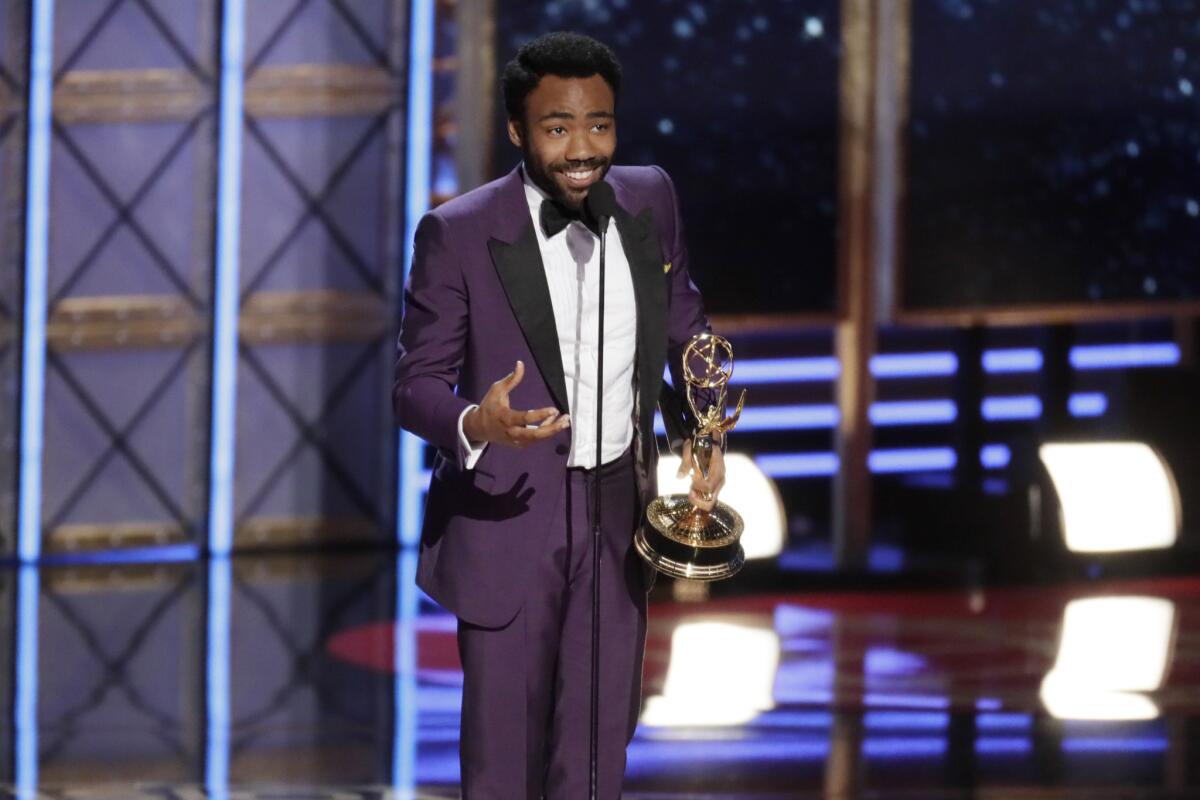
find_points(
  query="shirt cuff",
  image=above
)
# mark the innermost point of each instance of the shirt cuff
(468, 454)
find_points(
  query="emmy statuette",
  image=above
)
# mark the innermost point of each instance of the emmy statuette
(681, 540)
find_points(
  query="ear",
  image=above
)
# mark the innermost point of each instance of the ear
(515, 132)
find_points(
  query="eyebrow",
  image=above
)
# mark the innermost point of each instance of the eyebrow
(568, 115)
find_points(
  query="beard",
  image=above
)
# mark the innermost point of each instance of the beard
(543, 176)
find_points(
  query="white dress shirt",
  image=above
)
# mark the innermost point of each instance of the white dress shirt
(572, 263)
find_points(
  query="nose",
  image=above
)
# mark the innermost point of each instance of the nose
(579, 148)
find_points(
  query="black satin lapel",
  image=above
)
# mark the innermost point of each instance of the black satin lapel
(524, 278)
(639, 237)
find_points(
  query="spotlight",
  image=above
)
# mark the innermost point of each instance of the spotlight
(747, 657)
(1111, 650)
(1113, 496)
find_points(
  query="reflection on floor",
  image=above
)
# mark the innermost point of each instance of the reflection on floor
(287, 677)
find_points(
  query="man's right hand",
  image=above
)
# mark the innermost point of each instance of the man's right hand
(496, 421)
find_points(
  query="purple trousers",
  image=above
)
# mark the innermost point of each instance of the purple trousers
(527, 686)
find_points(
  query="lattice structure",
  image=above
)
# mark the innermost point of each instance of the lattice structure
(321, 219)
(295, 703)
(127, 656)
(130, 266)
(13, 66)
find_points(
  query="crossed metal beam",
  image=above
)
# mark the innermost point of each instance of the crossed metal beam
(309, 435)
(119, 438)
(114, 673)
(125, 213)
(303, 655)
(378, 54)
(313, 207)
(156, 20)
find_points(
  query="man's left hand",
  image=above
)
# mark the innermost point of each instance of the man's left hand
(704, 490)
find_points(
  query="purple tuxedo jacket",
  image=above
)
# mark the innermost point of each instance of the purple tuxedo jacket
(475, 303)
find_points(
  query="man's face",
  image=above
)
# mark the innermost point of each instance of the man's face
(568, 135)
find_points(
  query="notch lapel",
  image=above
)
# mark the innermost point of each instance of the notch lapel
(523, 276)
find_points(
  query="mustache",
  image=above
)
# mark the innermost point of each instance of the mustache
(569, 166)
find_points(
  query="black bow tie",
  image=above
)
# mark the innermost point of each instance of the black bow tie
(555, 216)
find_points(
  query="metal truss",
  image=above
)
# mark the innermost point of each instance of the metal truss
(306, 650)
(12, 200)
(114, 656)
(311, 433)
(182, 522)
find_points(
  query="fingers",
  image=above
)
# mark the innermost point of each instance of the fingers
(511, 418)
(513, 378)
(703, 501)
(685, 461)
(522, 436)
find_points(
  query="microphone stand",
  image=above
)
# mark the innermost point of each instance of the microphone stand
(594, 756)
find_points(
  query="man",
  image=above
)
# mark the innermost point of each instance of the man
(497, 369)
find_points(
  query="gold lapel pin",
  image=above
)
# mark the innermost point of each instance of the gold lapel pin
(666, 267)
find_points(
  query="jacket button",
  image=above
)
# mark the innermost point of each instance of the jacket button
(562, 449)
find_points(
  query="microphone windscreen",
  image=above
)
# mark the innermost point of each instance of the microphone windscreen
(601, 201)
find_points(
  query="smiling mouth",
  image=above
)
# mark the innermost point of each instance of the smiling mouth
(580, 178)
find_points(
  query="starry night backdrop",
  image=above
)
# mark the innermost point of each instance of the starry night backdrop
(1053, 152)
(738, 101)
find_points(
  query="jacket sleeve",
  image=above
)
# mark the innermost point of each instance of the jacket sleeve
(433, 338)
(685, 319)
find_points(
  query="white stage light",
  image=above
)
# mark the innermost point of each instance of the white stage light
(1115, 496)
(749, 491)
(719, 674)
(1110, 650)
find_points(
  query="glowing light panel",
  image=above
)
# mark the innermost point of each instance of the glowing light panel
(700, 650)
(1110, 651)
(1115, 496)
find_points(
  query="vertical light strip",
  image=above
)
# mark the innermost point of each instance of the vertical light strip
(419, 143)
(216, 678)
(33, 337)
(404, 676)
(225, 288)
(25, 733)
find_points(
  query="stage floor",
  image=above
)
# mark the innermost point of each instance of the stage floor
(290, 677)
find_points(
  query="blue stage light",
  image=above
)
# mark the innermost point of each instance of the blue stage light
(1117, 356)
(226, 280)
(1016, 407)
(1088, 404)
(785, 370)
(1003, 721)
(1114, 745)
(404, 676)
(912, 460)
(1002, 745)
(913, 365)
(913, 412)
(903, 747)
(418, 166)
(797, 465)
(906, 720)
(217, 676)
(33, 335)
(1015, 359)
(995, 456)
(25, 679)
(162, 554)
(797, 417)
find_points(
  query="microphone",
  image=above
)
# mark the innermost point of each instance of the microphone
(601, 204)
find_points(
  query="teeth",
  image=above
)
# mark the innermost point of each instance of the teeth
(579, 176)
